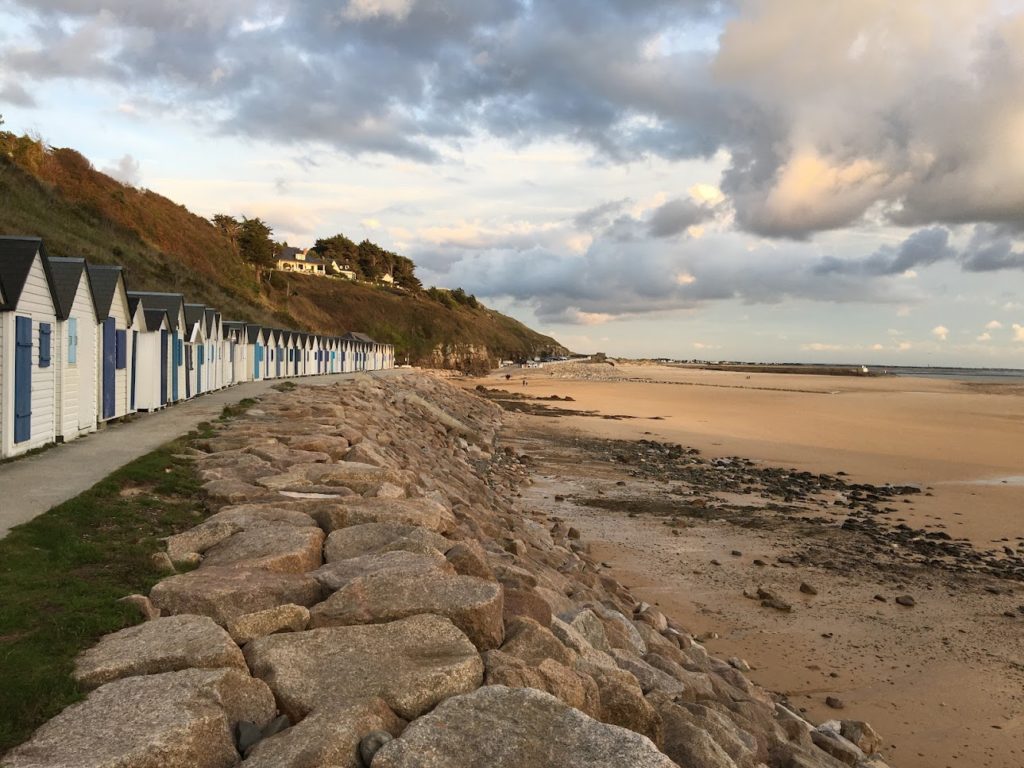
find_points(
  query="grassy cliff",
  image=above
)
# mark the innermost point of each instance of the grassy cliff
(57, 195)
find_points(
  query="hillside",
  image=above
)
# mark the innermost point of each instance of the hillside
(56, 194)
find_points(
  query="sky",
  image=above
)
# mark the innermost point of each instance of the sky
(775, 180)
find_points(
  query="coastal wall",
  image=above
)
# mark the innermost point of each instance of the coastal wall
(366, 595)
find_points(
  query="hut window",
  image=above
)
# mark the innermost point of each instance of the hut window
(44, 345)
(72, 340)
(121, 350)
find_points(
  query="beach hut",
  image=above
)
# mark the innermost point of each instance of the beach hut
(74, 349)
(28, 376)
(154, 361)
(236, 340)
(173, 304)
(113, 342)
(136, 328)
(256, 350)
(214, 356)
(195, 348)
(275, 352)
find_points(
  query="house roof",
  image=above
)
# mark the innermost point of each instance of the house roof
(171, 303)
(67, 275)
(133, 304)
(289, 254)
(211, 320)
(194, 314)
(253, 333)
(16, 255)
(155, 317)
(104, 280)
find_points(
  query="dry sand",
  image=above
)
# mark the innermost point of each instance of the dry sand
(943, 681)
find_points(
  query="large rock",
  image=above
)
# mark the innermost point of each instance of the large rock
(161, 645)
(226, 593)
(326, 738)
(533, 643)
(424, 513)
(237, 492)
(347, 474)
(650, 678)
(334, 446)
(567, 685)
(368, 538)
(412, 664)
(469, 559)
(247, 516)
(283, 618)
(281, 548)
(500, 727)
(473, 605)
(622, 700)
(172, 720)
(200, 538)
(397, 564)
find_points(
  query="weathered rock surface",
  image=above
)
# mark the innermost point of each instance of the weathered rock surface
(283, 618)
(326, 738)
(473, 605)
(247, 516)
(398, 564)
(200, 538)
(411, 664)
(370, 538)
(348, 474)
(227, 593)
(283, 548)
(162, 645)
(423, 513)
(172, 720)
(500, 727)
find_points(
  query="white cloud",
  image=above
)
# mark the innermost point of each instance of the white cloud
(993, 325)
(940, 332)
(904, 311)
(125, 170)
(985, 337)
(903, 346)
(1018, 332)
(369, 9)
(817, 346)
(700, 345)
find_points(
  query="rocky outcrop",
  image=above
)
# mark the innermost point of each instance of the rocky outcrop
(173, 720)
(370, 593)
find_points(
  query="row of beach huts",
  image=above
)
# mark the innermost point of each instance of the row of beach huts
(78, 349)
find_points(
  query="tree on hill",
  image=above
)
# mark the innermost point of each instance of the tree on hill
(229, 226)
(255, 244)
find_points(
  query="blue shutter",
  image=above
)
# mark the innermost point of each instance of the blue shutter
(120, 349)
(22, 379)
(72, 340)
(179, 352)
(45, 330)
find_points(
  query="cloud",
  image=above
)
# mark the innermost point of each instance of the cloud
(993, 248)
(993, 325)
(676, 216)
(125, 170)
(922, 248)
(14, 94)
(820, 347)
(940, 332)
(821, 131)
(985, 337)
(1018, 332)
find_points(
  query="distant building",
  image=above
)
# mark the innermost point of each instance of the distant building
(298, 260)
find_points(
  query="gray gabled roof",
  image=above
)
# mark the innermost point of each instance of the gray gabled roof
(133, 304)
(360, 337)
(104, 280)
(211, 320)
(253, 334)
(171, 303)
(16, 255)
(67, 276)
(154, 318)
(194, 313)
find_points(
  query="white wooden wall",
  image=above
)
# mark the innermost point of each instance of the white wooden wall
(76, 382)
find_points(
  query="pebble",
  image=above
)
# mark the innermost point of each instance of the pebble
(906, 601)
(834, 703)
(807, 589)
(371, 744)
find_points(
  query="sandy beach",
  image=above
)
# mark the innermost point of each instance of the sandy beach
(941, 680)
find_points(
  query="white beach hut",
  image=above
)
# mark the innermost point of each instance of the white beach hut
(195, 348)
(28, 376)
(173, 304)
(74, 349)
(154, 361)
(236, 340)
(113, 344)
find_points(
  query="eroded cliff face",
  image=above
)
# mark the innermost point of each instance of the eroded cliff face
(395, 608)
(479, 358)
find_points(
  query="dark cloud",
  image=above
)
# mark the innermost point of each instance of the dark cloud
(599, 215)
(13, 93)
(676, 216)
(994, 248)
(924, 247)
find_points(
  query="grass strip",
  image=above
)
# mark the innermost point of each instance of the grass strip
(62, 573)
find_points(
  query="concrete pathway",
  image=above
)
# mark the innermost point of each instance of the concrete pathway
(35, 484)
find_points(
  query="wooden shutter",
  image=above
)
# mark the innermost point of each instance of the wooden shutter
(45, 332)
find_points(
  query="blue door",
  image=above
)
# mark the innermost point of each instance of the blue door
(135, 351)
(177, 364)
(22, 379)
(257, 350)
(163, 367)
(109, 362)
(280, 354)
(200, 354)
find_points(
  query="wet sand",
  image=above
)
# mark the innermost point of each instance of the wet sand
(942, 681)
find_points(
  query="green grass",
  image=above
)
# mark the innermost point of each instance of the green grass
(232, 411)
(285, 386)
(62, 573)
